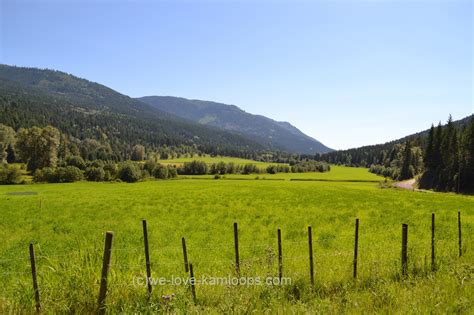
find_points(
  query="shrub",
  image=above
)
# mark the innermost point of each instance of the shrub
(310, 166)
(272, 169)
(10, 175)
(145, 173)
(160, 172)
(129, 172)
(150, 165)
(66, 174)
(95, 174)
(96, 163)
(250, 168)
(47, 175)
(195, 168)
(214, 168)
(111, 168)
(69, 174)
(172, 172)
(76, 161)
(231, 168)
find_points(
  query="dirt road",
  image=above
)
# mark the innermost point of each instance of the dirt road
(406, 184)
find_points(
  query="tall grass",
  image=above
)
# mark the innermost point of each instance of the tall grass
(68, 232)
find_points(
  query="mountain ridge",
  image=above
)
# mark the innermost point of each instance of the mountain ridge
(31, 96)
(279, 135)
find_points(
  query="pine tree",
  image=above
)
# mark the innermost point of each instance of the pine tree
(447, 143)
(467, 161)
(438, 138)
(405, 172)
(453, 166)
(428, 158)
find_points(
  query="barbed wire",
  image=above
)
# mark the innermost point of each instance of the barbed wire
(198, 257)
(371, 264)
(42, 253)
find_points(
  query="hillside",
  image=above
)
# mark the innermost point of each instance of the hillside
(269, 133)
(375, 154)
(84, 109)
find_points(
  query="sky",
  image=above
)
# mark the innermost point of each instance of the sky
(348, 73)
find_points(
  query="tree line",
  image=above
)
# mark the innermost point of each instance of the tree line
(442, 158)
(404, 161)
(221, 168)
(449, 158)
(54, 157)
(75, 169)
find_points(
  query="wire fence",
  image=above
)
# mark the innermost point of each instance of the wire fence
(289, 257)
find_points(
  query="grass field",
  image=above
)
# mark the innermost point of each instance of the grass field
(337, 173)
(67, 222)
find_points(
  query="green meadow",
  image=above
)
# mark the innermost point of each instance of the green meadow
(67, 224)
(337, 173)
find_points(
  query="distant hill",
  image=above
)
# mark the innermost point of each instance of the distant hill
(84, 109)
(375, 154)
(269, 133)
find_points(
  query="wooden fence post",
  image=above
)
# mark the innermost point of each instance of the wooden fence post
(280, 257)
(185, 255)
(35, 281)
(147, 258)
(236, 245)
(193, 282)
(404, 249)
(433, 253)
(311, 265)
(356, 246)
(105, 271)
(459, 233)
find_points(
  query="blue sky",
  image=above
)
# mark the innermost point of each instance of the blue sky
(348, 73)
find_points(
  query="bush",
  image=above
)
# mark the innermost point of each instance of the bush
(172, 172)
(231, 168)
(272, 169)
(76, 161)
(194, 168)
(129, 172)
(95, 174)
(150, 165)
(218, 168)
(310, 166)
(46, 175)
(10, 175)
(250, 168)
(96, 163)
(160, 172)
(69, 174)
(111, 169)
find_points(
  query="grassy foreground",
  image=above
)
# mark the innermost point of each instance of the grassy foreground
(67, 222)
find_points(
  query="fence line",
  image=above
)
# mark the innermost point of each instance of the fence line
(96, 251)
(195, 255)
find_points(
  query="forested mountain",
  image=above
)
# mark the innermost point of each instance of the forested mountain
(442, 156)
(270, 133)
(83, 110)
(376, 154)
